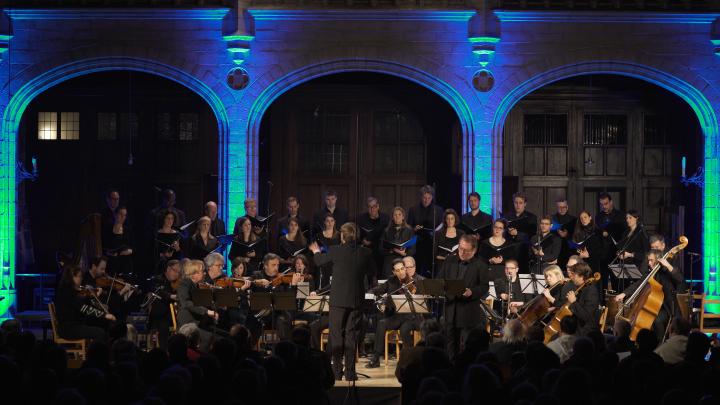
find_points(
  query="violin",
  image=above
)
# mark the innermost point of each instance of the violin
(86, 291)
(114, 283)
(227, 282)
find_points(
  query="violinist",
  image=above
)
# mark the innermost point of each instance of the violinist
(585, 304)
(509, 290)
(202, 242)
(214, 263)
(96, 277)
(497, 248)
(165, 286)
(77, 311)
(264, 283)
(292, 243)
(544, 247)
(390, 319)
(188, 312)
(670, 276)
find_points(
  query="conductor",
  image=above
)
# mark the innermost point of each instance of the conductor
(351, 263)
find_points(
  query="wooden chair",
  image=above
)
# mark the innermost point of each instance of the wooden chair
(75, 347)
(173, 317)
(324, 338)
(393, 336)
(603, 318)
(714, 327)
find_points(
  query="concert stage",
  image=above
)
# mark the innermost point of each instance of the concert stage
(381, 388)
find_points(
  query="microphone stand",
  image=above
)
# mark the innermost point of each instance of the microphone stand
(434, 233)
(267, 223)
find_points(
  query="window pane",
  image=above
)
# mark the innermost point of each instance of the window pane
(128, 124)
(410, 129)
(656, 130)
(336, 158)
(47, 125)
(384, 159)
(411, 158)
(386, 127)
(164, 127)
(70, 125)
(107, 126)
(545, 129)
(188, 127)
(601, 129)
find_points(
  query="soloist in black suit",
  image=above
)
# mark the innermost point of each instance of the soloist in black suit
(463, 313)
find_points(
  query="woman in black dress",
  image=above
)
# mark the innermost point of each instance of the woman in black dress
(77, 315)
(202, 242)
(292, 243)
(447, 237)
(247, 245)
(397, 232)
(586, 241)
(496, 249)
(167, 241)
(328, 237)
(117, 244)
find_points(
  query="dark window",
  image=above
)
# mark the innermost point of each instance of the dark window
(545, 129)
(398, 143)
(605, 129)
(656, 130)
(324, 140)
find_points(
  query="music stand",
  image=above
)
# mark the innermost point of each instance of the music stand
(491, 291)
(414, 304)
(532, 283)
(226, 297)
(320, 303)
(303, 290)
(203, 298)
(625, 272)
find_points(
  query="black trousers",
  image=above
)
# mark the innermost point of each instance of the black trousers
(316, 328)
(81, 331)
(404, 322)
(345, 326)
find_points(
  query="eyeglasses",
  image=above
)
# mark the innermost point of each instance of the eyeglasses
(410, 267)
(510, 268)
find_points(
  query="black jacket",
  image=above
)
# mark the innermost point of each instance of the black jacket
(551, 245)
(670, 280)
(464, 312)
(351, 263)
(585, 309)
(481, 221)
(187, 311)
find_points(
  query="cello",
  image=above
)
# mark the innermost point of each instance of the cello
(553, 327)
(537, 308)
(643, 306)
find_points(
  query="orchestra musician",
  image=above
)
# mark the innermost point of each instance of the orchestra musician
(202, 242)
(339, 214)
(555, 281)
(114, 299)
(424, 218)
(522, 225)
(399, 284)
(264, 283)
(117, 244)
(214, 263)
(461, 312)
(292, 242)
(544, 247)
(670, 276)
(159, 317)
(447, 238)
(188, 312)
(293, 211)
(496, 249)
(351, 263)
(398, 232)
(77, 312)
(585, 304)
(476, 221)
(509, 291)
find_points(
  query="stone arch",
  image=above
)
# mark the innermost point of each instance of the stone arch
(682, 84)
(37, 84)
(257, 104)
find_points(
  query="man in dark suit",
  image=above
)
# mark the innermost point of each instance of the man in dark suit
(351, 263)
(584, 305)
(462, 313)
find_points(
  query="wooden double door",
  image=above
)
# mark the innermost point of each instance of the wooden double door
(356, 140)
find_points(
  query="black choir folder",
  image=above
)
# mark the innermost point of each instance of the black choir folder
(475, 231)
(408, 243)
(261, 222)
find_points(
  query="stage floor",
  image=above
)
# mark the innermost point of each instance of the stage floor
(382, 376)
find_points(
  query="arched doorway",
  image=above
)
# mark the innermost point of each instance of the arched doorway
(133, 131)
(586, 134)
(361, 134)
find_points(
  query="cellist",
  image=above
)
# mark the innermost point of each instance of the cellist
(670, 276)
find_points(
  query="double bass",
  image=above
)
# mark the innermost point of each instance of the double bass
(643, 306)
(553, 327)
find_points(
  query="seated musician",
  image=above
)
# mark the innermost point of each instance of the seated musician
(555, 282)
(214, 263)
(264, 283)
(292, 243)
(390, 319)
(585, 304)
(202, 242)
(508, 289)
(670, 276)
(76, 311)
(159, 315)
(188, 312)
(115, 299)
(544, 247)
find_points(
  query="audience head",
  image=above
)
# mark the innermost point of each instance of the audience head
(698, 346)
(568, 325)
(192, 332)
(680, 326)
(513, 332)
(622, 328)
